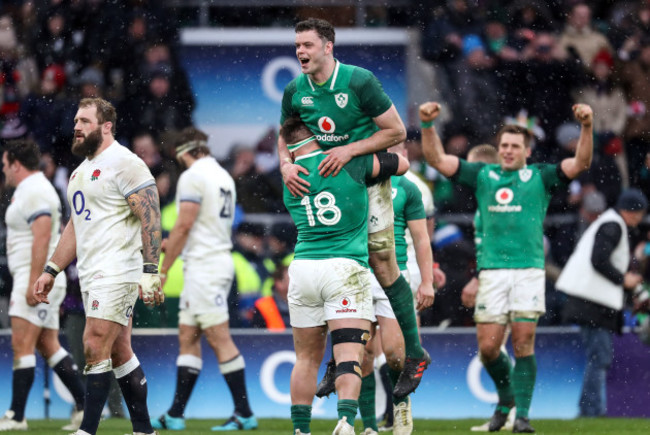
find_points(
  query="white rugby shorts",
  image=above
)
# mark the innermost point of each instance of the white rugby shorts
(204, 299)
(380, 207)
(113, 302)
(503, 293)
(41, 315)
(322, 290)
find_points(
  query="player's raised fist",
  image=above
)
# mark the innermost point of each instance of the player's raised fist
(583, 113)
(429, 111)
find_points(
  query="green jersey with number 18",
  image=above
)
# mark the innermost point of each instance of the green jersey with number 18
(512, 206)
(339, 111)
(332, 220)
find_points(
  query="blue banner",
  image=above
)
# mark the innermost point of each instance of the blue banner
(454, 386)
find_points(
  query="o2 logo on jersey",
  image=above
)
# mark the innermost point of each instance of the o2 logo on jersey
(326, 124)
(79, 205)
(504, 196)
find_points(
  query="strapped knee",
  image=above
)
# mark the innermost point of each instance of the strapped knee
(348, 368)
(350, 335)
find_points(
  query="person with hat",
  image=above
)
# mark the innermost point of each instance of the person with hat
(594, 279)
(205, 196)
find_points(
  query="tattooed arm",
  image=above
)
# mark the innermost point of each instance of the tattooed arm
(146, 206)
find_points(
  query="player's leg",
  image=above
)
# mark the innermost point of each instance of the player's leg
(392, 343)
(491, 316)
(23, 340)
(368, 384)
(99, 336)
(188, 368)
(349, 337)
(527, 305)
(65, 368)
(232, 365)
(381, 250)
(309, 345)
(132, 381)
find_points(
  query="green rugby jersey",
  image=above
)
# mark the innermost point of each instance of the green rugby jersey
(332, 220)
(512, 207)
(339, 111)
(407, 205)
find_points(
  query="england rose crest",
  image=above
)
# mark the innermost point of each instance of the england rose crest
(95, 175)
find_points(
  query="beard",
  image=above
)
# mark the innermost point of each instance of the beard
(89, 145)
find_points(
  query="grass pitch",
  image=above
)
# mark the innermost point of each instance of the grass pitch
(610, 426)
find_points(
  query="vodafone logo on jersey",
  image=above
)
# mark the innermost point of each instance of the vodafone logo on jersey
(326, 124)
(504, 195)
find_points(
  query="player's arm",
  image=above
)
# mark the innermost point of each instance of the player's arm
(41, 234)
(145, 205)
(432, 147)
(573, 166)
(391, 132)
(424, 258)
(385, 165)
(65, 252)
(297, 185)
(187, 213)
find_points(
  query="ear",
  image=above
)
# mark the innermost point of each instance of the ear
(329, 47)
(529, 151)
(107, 127)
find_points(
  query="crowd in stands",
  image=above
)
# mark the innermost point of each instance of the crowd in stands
(519, 60)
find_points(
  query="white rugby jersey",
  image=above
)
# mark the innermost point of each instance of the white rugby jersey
(34, 197)
(109, 237)
(429, 209)
(208, 184)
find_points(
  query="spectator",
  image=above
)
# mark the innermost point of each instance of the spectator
(610, 110)
(636, 84)
(580, 38)
(272, 312)
(594, 279)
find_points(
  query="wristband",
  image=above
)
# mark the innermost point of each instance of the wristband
(149, 268)
(436, 265)
(287, 160)
(426, 124)
(52, 268)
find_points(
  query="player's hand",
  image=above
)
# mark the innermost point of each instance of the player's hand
(163, 246)
(424, 296)
(439, 278)
(631, 280)
(583, 114)
(150, 289)
(429, 111)
(335, 160)
(30, 297)
(468, 296)
(297, 185)
(42, 288)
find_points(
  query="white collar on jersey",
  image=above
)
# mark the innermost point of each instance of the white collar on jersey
(334, 75)
(315, 153)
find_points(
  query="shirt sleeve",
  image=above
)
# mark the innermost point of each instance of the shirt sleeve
(414, 208)
(606, 240)
(467, 173)
(133, 175)
(189, 189)
(372, 98)
(552, 176)
(35, 205)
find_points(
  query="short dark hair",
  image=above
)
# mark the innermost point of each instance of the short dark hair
(24, 151)
(294, 130)
(189, 134)
(515, 129)
(105, 110)
(323, 28)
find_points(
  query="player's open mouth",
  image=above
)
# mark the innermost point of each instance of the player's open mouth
(304, 61)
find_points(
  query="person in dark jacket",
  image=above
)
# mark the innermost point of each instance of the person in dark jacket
(595, 278)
